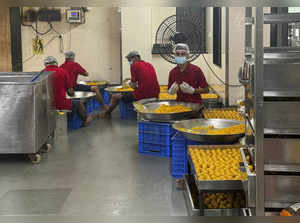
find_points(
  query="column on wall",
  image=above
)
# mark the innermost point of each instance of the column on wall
(5, 50)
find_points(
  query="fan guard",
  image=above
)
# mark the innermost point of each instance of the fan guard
(179, 29)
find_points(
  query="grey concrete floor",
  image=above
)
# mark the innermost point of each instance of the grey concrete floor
(95, 170)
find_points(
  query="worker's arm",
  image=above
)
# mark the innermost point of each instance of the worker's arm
(81, 70)
(68, 84)
(86, 74)
(134, 76)
(203, 85)
(133, 85)
(70, 92)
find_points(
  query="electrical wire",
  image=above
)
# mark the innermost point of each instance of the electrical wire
(70, 40)
(35, 29)
(46, 44)
(223, 82)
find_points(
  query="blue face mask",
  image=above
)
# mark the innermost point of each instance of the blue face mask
(130, 62)
(180, 60)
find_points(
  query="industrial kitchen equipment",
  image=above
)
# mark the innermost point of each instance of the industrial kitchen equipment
(27, 113)
(272, 101)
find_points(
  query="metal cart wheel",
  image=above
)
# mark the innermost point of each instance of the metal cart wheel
(35, 158)
(46, 148)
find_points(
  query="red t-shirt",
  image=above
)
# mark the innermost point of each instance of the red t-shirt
(60, 85)
(193, 76)
(73, 69)
(148, 86)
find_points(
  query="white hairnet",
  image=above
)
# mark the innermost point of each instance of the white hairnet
(182, 47)
(50, 60)
(132, 54)
(69, 55)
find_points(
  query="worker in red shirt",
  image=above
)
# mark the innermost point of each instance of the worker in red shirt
(74, 69)
(143, 80)
(61, 86)
(186, 80)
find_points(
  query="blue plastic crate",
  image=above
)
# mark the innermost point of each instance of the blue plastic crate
(106, 97)
(127, 110)
(89, 107)
(97, 106)
(155, 139)
(156, 128)
(179, 154)
(106, 100)
(178, 157)
(74, 121)
(154, 150)
(178, 171)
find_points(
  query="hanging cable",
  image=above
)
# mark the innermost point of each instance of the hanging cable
(46, 44)
(70, 40)
(223, 82)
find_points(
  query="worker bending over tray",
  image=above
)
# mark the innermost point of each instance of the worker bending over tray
(74, 69)
(186, 80)
(63, 85)
(143, 80)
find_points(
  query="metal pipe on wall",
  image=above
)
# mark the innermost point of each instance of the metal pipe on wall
(258, 105)
(227, 58)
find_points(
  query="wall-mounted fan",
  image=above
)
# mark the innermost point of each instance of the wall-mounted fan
(180, 29)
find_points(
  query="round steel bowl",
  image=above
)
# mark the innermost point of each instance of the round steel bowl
(97, 83)
(82, 95)
(113, 90)
(217, 123)
(146, 111)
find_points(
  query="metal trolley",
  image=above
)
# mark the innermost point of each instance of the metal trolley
(27, 114)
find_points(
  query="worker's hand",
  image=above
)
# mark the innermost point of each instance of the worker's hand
(174, 88)
(126, 83)
(94, 88)
(71, 92)
(186, 88)
(126, 80)
(133, 85)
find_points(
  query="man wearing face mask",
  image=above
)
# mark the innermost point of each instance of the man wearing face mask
(143, 80)
(186, 80)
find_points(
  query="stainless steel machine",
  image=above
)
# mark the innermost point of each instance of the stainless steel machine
(272, 97)
(272, 101)
(27, 113)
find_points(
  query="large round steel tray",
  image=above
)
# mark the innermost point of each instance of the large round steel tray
(146, 111)
(217, 123)
(114, 90)
(93, 83)
(82, 95)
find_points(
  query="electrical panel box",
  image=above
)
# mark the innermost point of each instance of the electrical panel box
(49, 15)
(30, 15)
(75, 16)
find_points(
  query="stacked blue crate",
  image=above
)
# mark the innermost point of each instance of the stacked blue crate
(155, 138)
(74, 121)
(179, 154)
(106, 97)
(127, 110)
(106, 100)
(89, 107)
(179, 164)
